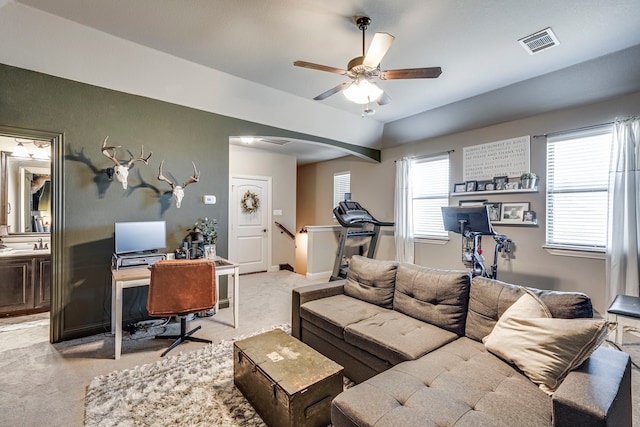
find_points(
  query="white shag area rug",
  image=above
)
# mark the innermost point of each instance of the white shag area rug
(193, 389)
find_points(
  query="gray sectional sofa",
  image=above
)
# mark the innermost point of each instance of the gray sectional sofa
(411, 337)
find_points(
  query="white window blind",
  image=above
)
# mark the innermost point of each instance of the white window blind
(341, 185)
(430, 182)
(577, 188)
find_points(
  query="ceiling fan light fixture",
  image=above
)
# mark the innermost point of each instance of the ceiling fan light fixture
(364, 68)
(362, 92)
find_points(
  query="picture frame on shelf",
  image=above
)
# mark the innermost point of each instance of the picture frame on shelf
(512, 185)
(482, 185)
(490, 186)
(529, 217)
(513, 212)
(471, 186)
(471, 203)
(460, 188)
(501, 182)
(494, 211)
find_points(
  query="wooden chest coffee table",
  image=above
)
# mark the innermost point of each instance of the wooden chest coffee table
(285, 380)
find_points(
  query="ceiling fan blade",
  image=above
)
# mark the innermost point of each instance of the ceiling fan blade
(411, 73)
(378, 49)
(333, 91)
(319, 67)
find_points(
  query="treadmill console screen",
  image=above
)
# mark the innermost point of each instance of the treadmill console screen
(348, 212)
(351, 206)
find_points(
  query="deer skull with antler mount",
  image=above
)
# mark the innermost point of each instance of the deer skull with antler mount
(178, 191)
(122, 171)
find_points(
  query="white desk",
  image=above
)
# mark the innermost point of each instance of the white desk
(133, 277)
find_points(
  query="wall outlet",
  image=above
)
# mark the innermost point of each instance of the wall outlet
(209, 200)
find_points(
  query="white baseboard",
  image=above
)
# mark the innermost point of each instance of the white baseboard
(323, 275)
(273, 268)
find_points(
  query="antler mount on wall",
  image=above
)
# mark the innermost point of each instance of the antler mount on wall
(122, 171)
(177, 190)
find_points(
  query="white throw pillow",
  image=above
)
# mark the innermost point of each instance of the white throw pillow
(544, 348)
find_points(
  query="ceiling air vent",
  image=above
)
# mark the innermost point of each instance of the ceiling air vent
(275, 141)
(539, 41)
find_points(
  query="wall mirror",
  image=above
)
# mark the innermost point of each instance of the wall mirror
(25, 187)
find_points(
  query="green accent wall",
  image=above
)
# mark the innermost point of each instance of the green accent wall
(90, 204)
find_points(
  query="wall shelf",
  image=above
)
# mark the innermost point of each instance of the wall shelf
(514, 224)
(477, 194)
(493, 192)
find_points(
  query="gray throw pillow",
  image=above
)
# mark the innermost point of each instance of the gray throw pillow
(371, 280)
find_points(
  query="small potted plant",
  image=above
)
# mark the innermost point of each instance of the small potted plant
(207, 227)
(528, 180)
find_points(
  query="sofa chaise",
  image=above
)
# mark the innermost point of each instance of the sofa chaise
(434, 347)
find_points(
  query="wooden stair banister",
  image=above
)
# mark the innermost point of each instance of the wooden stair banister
(285, 230)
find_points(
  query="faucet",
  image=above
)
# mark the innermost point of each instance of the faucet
(36, 247)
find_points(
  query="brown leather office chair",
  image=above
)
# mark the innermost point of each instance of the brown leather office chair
(181, 287)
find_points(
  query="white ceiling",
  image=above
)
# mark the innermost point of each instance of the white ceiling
(475, 43)
(305, 151)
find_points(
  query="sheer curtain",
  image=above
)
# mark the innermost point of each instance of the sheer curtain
(403, 233)
(623, 264)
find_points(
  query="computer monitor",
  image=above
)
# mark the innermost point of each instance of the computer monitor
(476, 219)
(139, 236)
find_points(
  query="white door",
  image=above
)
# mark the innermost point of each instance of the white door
(250, 233)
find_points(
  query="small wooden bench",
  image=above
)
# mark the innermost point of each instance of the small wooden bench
(625, 310)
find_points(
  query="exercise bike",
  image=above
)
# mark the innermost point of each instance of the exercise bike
(472, 253)
(472, 223)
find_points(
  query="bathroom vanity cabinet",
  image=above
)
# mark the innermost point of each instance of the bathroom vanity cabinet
(25, 283)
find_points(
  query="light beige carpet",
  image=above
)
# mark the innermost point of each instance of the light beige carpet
(192, 389)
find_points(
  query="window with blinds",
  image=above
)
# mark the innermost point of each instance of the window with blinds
(577, 188)
(341, 185)
(430, 183)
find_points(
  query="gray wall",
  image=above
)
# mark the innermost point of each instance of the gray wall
(85, 114)
(373, 186)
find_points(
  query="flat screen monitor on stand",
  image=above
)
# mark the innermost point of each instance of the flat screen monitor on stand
(467, 219)
(137, 243)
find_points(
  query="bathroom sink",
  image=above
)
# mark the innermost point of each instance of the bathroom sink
(23, 251)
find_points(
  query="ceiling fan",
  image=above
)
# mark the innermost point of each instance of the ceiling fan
(363, 69)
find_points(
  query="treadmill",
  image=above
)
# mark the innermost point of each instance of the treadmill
(356, 221)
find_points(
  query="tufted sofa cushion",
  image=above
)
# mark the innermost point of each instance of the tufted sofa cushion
(435, 296)
(371, 280)
(396, 337)
(334, 313)
(460, 384)
(489, 299)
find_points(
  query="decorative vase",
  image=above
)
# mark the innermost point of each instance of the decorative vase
(210, 251)
(529, 183)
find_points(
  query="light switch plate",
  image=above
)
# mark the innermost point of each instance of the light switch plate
(277, 212)
(209, 200)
